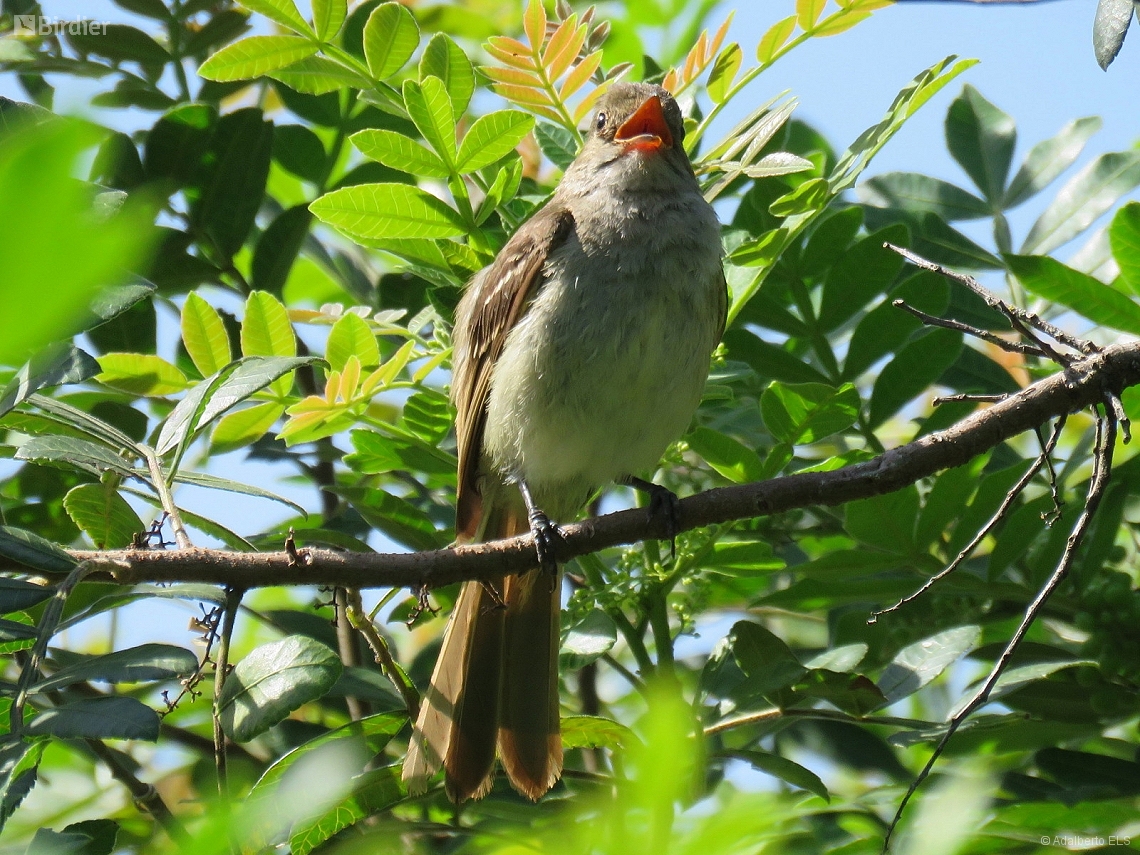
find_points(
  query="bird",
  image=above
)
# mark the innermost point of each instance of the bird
(580, 353)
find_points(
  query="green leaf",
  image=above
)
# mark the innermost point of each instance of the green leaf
(284, 12)
(865, 270)
(591, 731)
(557, 143)
(1124, 238)
(213, 482)
(121, 42)
(391, 36)
(1110, 26)
(1046, 277)
(946, 501)
(768, 360)
(427, 414)
(886, 522)
(373, 792)
(588, 640)
(316, 75)
(90, 837)
(981, 138)
(912, 191)
(396, 517)
(145, 663)
(55, 365)
(19, 765)
(239, 429)
(33, 551)
(17, 595)
(204, 335)
(377, 454)
(103, 515)
(1084, 198)
(813, 195)
(917, 664)
(278, 248)
(299, 150)
(216, 394)
(400, 152)
(142, 374)
(328, 17)
(72, 451)
(374, 730)
(728, 456)
(236, 166)
(447, 61)
(265, 327)
(351, 336)
(492, 137)
(429, 107)
(1048, 159)
(382, 211)
(274, 680)
(920, 90)
(886, 327)
(764, 658)
(97, 718)
(912, 371)
(786, 770)
(724, 72)
(839, 658)
(808, 412)
(254, 56)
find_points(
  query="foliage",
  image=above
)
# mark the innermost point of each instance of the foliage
(322, 189)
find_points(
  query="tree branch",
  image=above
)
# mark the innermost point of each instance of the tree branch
(1087, 380)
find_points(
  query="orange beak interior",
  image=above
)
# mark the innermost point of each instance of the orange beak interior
(646, 129)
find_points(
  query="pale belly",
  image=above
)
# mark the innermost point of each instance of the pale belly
(600, 377)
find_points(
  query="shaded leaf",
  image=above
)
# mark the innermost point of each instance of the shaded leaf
(33, 551)
(786, 770)
(808, 412)
(1087, 195)
(586, 641)
(146, 662)
(103, 515)
(917, 664)
(274, 680)
(98, 718)
(1048, 159)
(981, 138)
(1046, 277)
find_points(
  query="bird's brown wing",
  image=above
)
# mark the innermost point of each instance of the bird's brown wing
(488, 311)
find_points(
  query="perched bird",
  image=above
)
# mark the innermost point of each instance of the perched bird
(580, 353)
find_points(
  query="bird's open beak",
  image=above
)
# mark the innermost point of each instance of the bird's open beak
(646, 129)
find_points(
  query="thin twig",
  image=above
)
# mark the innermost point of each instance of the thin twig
(976, 332)
(776, 713)
(1016, 316)
(359, 620)
(1102, 468)
(221, 672)
(997, 517)
(965, 397)
(166, 498)
(145, 795)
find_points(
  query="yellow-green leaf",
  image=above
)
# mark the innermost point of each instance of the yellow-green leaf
(284, 12)
(140, 374)
(351, 336)
(776, 37)
(265, 329)
(255, 56)
(245, 426)
(103, 515)
(390, 38)
(204, 335)
(724, 72)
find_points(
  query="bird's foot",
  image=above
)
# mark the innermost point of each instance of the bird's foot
(664, 507)
(547, 535)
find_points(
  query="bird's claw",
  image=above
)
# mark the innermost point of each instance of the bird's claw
(547, 539)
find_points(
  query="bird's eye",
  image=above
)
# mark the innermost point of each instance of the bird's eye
(601, 123)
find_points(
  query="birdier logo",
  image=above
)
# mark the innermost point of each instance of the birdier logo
(43, 25)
